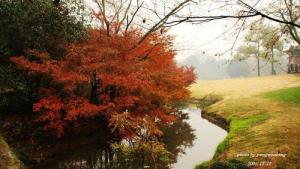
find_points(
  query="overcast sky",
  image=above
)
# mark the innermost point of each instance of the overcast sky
(211, 38)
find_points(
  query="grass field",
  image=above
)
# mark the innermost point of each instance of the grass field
(265, 118)
(291, 95)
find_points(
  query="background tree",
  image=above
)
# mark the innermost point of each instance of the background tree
(252, 45)
(273, 44)
(290, 11)
(38, 25)
(261, 42)
(33, 25)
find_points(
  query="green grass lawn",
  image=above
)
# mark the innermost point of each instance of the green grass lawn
(290, 95)
(265, 118)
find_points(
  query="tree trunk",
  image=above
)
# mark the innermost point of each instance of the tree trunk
(273, 69)
(95, 84)
(258, 61)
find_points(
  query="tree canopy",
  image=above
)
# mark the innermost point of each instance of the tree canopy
(137, 87)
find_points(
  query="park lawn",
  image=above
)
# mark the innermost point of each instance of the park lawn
(291, 95)
(264, 114)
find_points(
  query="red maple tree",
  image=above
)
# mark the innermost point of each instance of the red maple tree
(133, 87)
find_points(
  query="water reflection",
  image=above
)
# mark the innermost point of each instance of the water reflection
(204, 146)
(178, 136)
(93, 156)
(98, 155)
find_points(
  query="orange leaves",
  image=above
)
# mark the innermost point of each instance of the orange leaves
(50, 103)
(124, 123)
(80, 107)
(25, 64)
(51, 107)
(55, 112)
(135, 87)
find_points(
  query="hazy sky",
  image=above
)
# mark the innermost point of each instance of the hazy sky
(211, 38)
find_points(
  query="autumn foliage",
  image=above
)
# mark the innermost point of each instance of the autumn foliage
(133, 87)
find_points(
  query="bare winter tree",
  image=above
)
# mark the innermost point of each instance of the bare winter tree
(291, 12)
(128, 13)
(161, 14)
(248, 11)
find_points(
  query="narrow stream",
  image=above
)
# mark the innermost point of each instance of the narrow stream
(208, 136)
(191, 139)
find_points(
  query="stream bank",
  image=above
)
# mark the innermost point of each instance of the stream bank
(8, 159)
(216, 119)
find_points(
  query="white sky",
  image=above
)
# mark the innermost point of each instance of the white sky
(197, 39)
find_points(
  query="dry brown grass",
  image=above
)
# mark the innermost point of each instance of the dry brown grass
(244, 87)
(280, 132)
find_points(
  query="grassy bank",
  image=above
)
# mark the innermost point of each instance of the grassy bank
(8, 160)
(265, 118)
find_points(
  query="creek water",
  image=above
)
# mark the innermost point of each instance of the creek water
(207, 138)
(191, 139)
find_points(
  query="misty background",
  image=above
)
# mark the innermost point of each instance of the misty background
(217, 68)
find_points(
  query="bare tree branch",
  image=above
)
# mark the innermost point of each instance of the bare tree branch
(124, 16)
(133, 16)
(160, 23)
(251, 12)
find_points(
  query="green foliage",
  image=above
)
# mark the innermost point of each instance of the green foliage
(243, 52)
(224, 145)
(271, 38)
(281, 166)
(11, 102)
(141, 154)
(37, 25)
(264, 37)
(290, 95)
(261, 41)
(230, 164)
(203, 165)
(10, 77)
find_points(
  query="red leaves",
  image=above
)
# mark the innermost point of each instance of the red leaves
(56, 112)
(51, 107)
(50, 103)
(80, 107)
(140, 81)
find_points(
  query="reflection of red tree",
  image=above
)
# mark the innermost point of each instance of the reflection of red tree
(143, 82)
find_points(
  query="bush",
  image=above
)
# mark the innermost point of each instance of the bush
(230, 164)
(141, 154)
(37, 25)
(13, 102)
